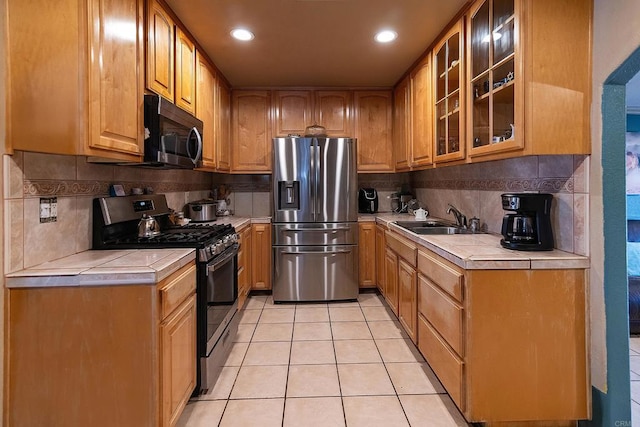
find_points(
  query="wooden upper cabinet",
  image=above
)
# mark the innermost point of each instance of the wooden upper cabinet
(87, 99)
(206, 109)
(373, 129)
(116, 110)
(185, 72)
(401, 123)
(160, 50)
(421, 116)
(251, 131)
(223, 126)
(332, 109)
(292, 112)
(528, 93)
(449, 95)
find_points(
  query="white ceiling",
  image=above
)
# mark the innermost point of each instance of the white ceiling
(315, 42)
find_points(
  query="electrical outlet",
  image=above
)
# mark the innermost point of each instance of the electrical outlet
(48, 209)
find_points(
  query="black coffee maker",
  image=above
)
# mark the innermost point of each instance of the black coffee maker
(529, 227)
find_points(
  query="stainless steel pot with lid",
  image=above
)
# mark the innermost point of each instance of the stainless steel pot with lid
(202, 210)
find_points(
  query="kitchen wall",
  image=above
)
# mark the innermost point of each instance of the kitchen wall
(3, 115)
(475, 190)
(385, 184)
(615, 38)
(251, 194)
(75, 183)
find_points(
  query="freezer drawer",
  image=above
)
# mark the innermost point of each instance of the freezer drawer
(315, 234)
(315, 273)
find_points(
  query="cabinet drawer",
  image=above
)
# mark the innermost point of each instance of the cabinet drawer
(241, 257)
(442, 273)
(442, 312)
(176, 288)
(402, 247)
(446, 365)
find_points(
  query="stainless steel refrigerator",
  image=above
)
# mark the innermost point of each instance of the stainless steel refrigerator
(315, 219)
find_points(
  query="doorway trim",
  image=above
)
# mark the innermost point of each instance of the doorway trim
(613, 407)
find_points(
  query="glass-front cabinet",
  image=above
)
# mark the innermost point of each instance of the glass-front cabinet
(449, 95)
(494, 77)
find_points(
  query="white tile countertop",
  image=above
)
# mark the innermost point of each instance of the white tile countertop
(105, 267)
(480, 251)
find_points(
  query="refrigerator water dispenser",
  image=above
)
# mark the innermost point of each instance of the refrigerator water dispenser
(289, 194)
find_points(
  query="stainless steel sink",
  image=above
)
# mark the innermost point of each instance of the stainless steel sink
(440, 230)
(432, 227)
(428, 223)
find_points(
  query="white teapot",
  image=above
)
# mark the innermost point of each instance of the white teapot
(420, 214)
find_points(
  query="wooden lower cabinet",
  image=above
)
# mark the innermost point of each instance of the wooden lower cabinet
(507, 345)
(391, 280)
(367, 254)
(244, 266)
(380, 255)
(178, 343)
(407, 297)
(261, 256)
(119, 355)
(400, 276)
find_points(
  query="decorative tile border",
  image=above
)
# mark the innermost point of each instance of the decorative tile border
(550, 185)
(38, 188)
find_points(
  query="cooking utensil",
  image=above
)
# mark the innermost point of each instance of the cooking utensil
(148, 226)
(202, 210)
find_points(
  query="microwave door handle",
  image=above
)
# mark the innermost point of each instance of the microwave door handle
(194, 131)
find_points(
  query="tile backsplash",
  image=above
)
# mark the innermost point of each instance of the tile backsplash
(474, 189)
(75, 183)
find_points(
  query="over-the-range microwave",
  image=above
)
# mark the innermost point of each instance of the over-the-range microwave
(173, 137)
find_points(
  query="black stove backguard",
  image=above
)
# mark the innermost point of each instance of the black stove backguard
(115, 218)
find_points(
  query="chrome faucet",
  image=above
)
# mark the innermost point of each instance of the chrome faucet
(461, 220)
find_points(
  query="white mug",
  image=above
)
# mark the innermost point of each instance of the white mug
(222, 205)
(421, 214)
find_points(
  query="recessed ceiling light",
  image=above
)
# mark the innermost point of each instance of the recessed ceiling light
(386, 36)
(241, 34)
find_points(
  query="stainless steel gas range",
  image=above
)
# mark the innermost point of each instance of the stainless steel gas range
(115, 226)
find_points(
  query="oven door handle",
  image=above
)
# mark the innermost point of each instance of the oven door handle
(221, 260)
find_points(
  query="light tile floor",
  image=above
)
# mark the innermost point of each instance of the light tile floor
(337, 364)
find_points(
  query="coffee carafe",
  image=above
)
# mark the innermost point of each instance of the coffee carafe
(528, 228)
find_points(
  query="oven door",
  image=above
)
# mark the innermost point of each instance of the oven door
(221, 294)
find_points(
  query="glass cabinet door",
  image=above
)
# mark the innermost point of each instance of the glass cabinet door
(492, 35)
(448, 72)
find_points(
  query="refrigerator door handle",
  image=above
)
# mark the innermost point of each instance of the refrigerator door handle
(315, 230)
(313, 184)
(318, 205)
(341, 251)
